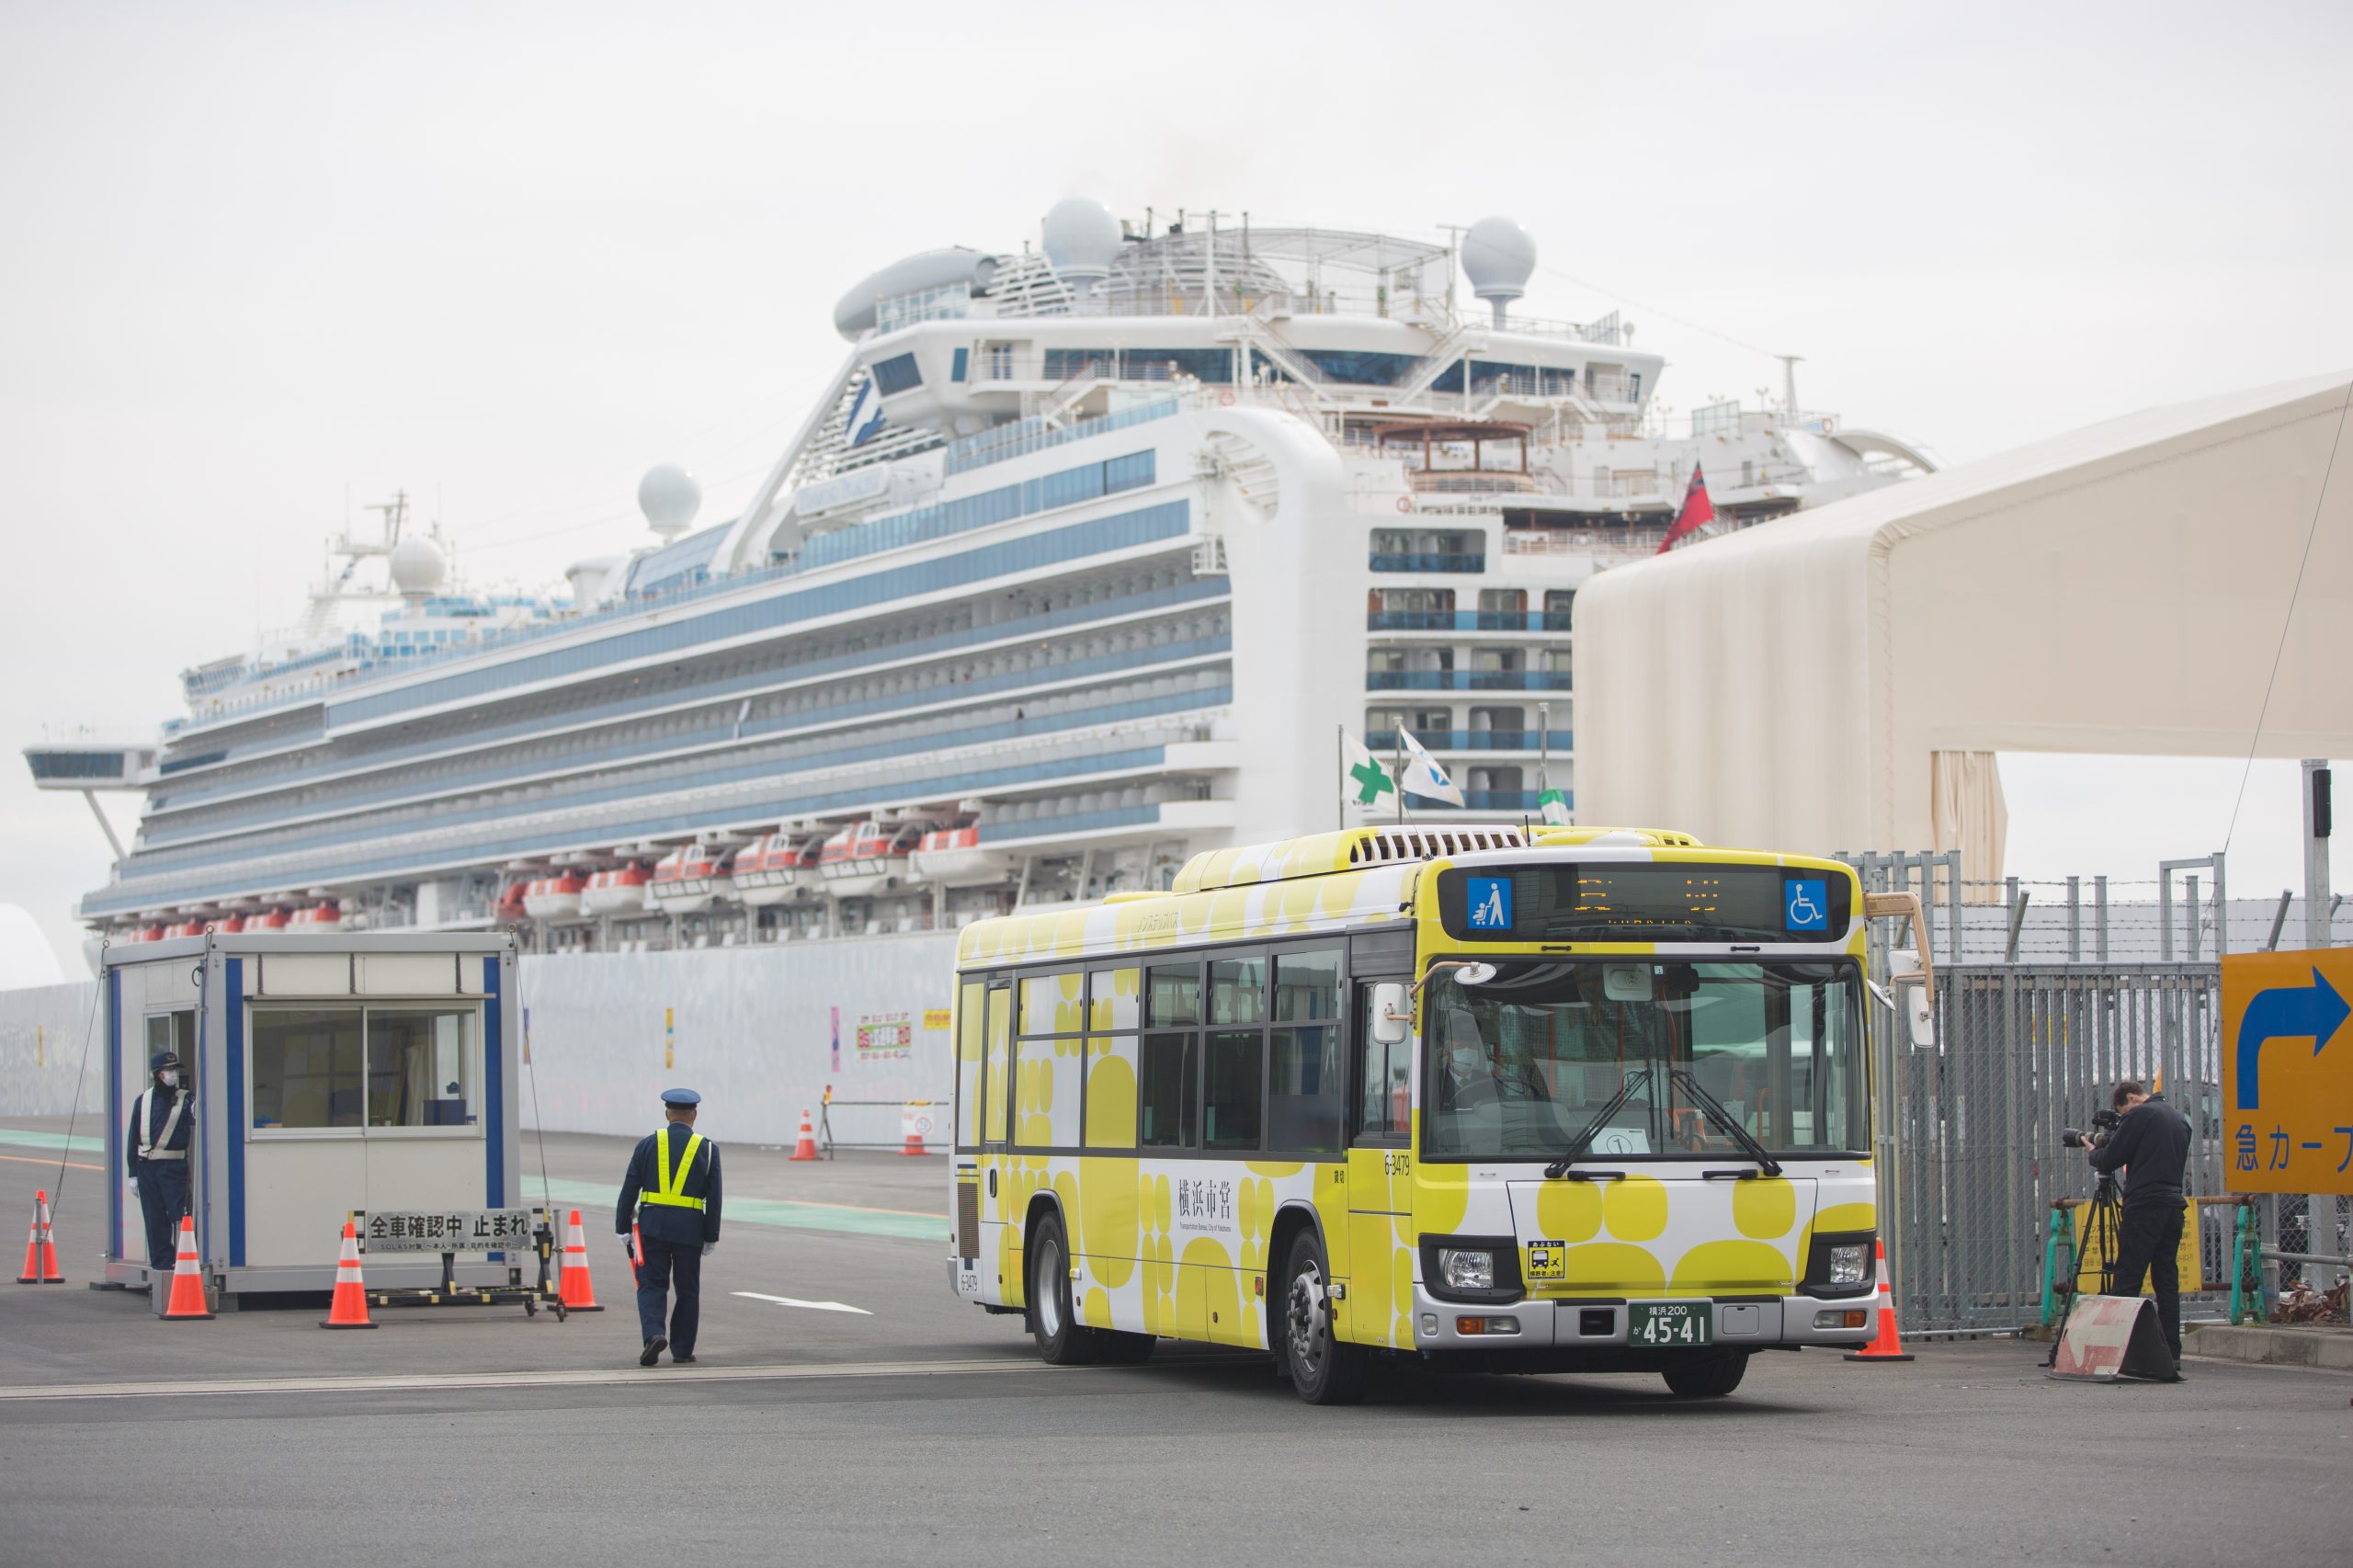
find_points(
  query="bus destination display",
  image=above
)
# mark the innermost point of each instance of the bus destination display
(1617, 902)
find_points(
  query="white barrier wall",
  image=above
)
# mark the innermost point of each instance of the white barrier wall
(42, 1029)
(759, 1033)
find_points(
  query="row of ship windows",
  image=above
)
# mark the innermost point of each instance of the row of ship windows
(1351, 367)
(1104, 653)
(1140, 699)
(1046, 548)
(1037, 609)
(630, 820)
(1070, 486)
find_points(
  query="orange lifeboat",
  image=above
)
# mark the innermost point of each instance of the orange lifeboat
(554, 898)
(954, 856)
(317, 918)
(271, 920)
(685, 879)
(769, 869)
(618, 892)
(866, 857)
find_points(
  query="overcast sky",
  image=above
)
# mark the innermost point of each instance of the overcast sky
(259, 263)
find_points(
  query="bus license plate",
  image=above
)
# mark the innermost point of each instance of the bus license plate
(1671, 1323)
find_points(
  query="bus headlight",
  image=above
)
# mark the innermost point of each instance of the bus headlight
(1851, 1264)
(1466, 1269)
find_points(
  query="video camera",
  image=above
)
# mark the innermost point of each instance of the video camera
(2104, 1125)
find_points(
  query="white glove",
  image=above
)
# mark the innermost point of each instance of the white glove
(707, 1247)
(134, 1183)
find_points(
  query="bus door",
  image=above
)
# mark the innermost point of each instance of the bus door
(1377, 1263)
(1000, 1240)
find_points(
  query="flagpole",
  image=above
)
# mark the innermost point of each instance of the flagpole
(1543, 752)
(1397, 746)
(1340, 749)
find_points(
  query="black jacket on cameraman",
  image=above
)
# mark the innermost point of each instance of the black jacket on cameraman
(2153, 1143)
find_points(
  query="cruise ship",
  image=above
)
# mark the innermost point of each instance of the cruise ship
(1084, 559)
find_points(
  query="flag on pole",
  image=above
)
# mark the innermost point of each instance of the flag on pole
(1556, 807)
(1425, 778)
(1363, 781)
(1698, 512)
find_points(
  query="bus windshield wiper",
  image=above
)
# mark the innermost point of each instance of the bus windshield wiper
(1725, 1120)
(1639, 1078)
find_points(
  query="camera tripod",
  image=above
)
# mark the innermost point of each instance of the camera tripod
(2102, 1231)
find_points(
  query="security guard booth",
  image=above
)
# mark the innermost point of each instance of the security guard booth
(332, 1073)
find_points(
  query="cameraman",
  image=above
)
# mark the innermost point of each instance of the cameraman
(2152, 1144)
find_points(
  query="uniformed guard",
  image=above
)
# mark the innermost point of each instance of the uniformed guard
(154, 1150)
(672, 1193)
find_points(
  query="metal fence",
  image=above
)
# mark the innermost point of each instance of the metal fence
(2027, 1044)
(1970, 1127)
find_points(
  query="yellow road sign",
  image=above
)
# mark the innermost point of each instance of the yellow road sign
(2287, 1088)
(2091, 1252)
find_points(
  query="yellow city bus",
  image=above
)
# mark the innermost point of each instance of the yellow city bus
(1495, 1097)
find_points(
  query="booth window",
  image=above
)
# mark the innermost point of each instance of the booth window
(400, 1066)
(419, 1068)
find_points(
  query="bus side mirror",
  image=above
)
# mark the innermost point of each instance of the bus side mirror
(1915, 994)
(1391, 1018)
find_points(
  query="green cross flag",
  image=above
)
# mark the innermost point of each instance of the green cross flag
(1555, 805)
(1363, 781)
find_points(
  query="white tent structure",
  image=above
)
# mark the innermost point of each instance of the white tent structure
(1842, 680)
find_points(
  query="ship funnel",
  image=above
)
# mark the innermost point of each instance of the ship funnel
(1497, 256)
(669, 497)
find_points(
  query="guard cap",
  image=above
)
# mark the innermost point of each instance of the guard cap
(680, 1097)
(162, 1060)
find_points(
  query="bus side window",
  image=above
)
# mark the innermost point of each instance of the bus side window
(1385, 1073)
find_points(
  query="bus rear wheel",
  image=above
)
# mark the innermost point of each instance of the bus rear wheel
(1063, 1341)
(1707, 1376)
(1324, 1370)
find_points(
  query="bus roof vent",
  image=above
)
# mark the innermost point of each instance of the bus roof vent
(1322, 853)
(1386, 845)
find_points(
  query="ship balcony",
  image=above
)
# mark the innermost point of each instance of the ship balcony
(1421, 561)
(1467, 680)
(1550, 622)
(1533, 742)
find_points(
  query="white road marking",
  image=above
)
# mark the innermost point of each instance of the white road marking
(797, 1301)
(576, 1378)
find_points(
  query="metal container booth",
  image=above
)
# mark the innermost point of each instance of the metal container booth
(331, 1072)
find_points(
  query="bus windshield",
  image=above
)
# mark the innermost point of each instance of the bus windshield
(1518, 1066)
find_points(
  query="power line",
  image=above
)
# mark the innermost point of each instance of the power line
(2289, 620)
(1656, 311)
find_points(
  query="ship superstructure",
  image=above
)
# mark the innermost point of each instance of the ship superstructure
(1078, 565)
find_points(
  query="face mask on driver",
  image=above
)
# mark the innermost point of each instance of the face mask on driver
(1467, 1058)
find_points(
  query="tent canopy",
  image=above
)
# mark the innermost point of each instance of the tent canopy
(1841, 680)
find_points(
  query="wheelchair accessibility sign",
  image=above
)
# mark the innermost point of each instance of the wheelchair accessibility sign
(1490, 903)
(1808, 907)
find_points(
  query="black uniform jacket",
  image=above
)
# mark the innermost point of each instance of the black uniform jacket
(2150, 1147)
(666, 1222)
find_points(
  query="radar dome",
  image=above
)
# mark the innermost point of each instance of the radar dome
(1081, 237)
(1497, 256)
(419, 565)
(669, 497)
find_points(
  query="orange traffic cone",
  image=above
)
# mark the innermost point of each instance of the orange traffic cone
(40, 1248)
(911, 1129)
(1888, 1345)
(187, 1300)
(575, 1290)
(349, 1308)
(807, 1148)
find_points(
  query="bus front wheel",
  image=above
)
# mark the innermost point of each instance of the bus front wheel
(1063, 1341)
(1707, 1376)
(1324, 1370)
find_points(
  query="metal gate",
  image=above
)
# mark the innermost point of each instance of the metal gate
(1970, 1128)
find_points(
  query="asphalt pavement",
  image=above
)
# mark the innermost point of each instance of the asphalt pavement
(880, 1421)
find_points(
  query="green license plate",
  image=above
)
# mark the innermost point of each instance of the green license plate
(1671, 1324)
